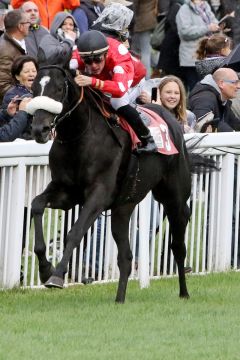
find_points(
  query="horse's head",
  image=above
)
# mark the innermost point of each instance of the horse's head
(51, 100)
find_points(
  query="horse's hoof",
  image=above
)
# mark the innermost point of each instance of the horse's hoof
(87, 281)
(45, 275)
(54, 282)
(184, 296)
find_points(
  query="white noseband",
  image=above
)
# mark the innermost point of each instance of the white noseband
(44, 103)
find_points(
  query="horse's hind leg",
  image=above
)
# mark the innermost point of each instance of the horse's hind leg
(178, 218)
(120, 230)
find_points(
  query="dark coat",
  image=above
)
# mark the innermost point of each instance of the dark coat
(209, 65)
(24, 128)
(15, 128)
(205, 98)
(169, 51)
(90, 9)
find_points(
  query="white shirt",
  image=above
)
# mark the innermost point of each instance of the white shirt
(22, 44)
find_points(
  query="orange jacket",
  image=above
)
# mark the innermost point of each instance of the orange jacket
(49, 8)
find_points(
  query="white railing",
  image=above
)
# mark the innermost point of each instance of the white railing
(210, 244)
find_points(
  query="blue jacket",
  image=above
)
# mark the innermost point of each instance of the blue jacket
(14, 128)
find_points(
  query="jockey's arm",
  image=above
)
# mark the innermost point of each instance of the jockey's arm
(117, 86)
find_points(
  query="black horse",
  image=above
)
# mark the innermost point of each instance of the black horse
(89, 162)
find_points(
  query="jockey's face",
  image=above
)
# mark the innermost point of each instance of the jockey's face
(95, 64)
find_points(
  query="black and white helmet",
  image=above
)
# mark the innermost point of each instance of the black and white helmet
(92, 43)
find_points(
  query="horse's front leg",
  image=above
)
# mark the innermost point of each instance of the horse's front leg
(51, 197)
(120, 230)
(91, 209)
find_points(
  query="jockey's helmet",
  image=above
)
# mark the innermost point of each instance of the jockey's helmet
(92, 43)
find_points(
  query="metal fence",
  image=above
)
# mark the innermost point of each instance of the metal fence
(211, 237)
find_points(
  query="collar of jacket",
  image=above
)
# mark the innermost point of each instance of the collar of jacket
(9, 38)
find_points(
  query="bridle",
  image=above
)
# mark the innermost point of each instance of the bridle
(59, 118)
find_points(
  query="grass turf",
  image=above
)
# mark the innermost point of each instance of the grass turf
(83, 322)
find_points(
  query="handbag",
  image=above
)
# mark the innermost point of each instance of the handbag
(158, 34)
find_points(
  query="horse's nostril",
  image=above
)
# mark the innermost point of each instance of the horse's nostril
(46, 129)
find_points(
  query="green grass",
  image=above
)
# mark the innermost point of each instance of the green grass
(83, 322)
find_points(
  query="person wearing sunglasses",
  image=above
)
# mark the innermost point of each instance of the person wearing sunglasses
(107, 65)
(214, 94)
(12, 45)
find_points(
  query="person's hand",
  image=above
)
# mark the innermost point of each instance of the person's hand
(83, 80)
(23, 103)
(209, 129)
(69, 34)
(213, 27)
(12, 107)
(144, 97)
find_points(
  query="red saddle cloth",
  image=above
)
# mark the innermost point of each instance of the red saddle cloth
(159, 130)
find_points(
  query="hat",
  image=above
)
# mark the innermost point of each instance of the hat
(115, 17)
(92, 43)
(123, 2)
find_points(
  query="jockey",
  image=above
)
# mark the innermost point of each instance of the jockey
(108, 66)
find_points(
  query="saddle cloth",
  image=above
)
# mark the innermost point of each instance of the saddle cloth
(159, 131)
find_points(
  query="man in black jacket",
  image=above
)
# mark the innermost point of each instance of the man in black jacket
(214, 94)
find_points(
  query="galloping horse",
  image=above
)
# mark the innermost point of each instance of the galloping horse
(89, 166)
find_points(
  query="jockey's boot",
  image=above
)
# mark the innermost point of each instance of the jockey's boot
(134, 119)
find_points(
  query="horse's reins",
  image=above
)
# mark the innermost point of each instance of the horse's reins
(57, 119)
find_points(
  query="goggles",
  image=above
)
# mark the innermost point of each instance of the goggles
(89, 60)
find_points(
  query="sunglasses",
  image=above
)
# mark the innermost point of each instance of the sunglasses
(92, 59)
(234, 82)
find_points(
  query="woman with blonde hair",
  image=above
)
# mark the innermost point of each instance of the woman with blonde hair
(171, 95)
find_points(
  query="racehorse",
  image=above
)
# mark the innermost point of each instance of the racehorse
(89, 166)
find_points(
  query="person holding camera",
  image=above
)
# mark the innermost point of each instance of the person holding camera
(23, 70)
(14, 120)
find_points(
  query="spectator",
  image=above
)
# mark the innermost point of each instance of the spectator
(14, 120)
(168, 61)
(162, 7)
(24, 71)
(36, 31)
(2, 15)
(63, 34)
(194, 20)
(145, 20)
(211, 53)
(213, 94)
(4, 4)
(87, 13)
(114, 22)
(12, 45)
(81, 19)
(49, 8)
(172, 96)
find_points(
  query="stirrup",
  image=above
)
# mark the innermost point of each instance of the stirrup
(150, 147)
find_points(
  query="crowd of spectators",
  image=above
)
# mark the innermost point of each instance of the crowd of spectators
(199, 36)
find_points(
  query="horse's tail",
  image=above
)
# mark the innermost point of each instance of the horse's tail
(198, 163)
